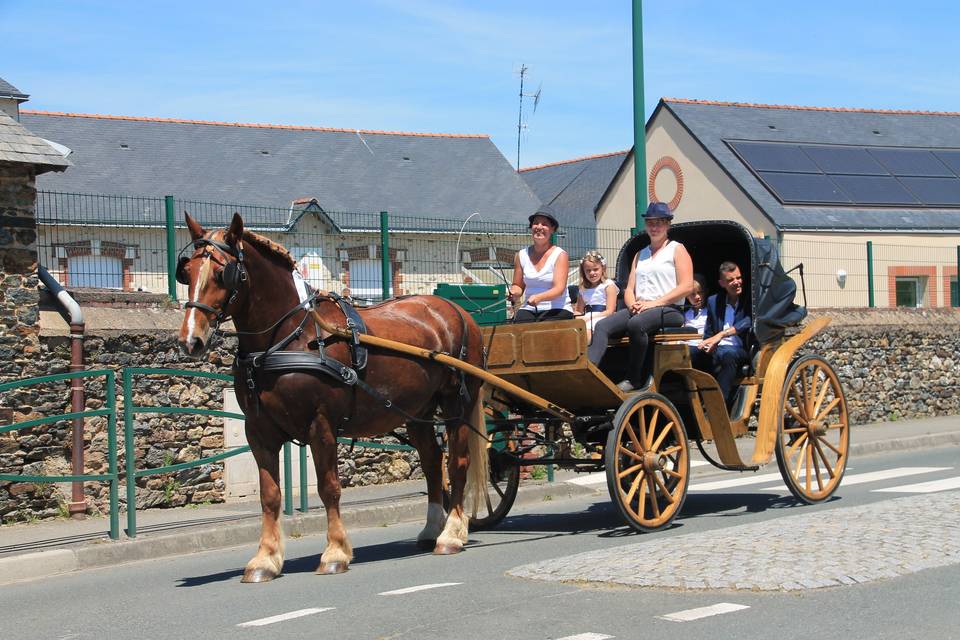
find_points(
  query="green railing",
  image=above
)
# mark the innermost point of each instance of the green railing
(130, 410)
(110, 411)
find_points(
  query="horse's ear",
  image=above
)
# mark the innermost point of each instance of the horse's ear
(196, 231)
(235, 231)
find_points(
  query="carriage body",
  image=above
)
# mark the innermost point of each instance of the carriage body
(792, 402)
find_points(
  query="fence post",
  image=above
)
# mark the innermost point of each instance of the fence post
(304, 505)
(958, 277)
(128, 453)
(287, 480)
(384, 255)
(870, 301)
(110, 389)
(171, 248)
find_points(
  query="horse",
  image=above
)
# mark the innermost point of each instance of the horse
(233, 273)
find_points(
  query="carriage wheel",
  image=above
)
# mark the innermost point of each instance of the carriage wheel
(503, 482)
(648, 462)
(813, 436)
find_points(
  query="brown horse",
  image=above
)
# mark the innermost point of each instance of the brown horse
(233, 273)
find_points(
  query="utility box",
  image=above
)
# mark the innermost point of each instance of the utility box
(486, 303)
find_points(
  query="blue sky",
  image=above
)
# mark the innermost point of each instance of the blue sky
(451, 66)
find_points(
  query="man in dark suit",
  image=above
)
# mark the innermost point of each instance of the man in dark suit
(726, 336)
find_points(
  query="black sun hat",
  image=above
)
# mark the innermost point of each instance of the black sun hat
(547, 213)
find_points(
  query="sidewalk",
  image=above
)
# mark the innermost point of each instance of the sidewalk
(50, 547)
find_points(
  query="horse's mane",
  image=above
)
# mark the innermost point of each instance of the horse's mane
(270, 247)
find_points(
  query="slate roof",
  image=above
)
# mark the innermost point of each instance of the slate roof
(574, 188)
(710, 123)
(7, 90)
(17, 144)
(435, 176)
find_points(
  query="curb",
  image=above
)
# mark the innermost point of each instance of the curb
(44, 564)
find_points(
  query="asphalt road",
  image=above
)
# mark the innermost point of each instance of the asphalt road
(476, 594)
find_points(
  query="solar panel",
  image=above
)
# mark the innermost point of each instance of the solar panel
(804, 187)
(935, 191)
(911, 162)
(950, 158)
(874, 190)
(853, 160)
(772, 156)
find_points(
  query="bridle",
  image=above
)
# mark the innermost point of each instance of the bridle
(230, 276)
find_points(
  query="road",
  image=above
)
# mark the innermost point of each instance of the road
(562, 569)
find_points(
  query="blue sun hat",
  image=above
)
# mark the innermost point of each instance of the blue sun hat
(658, 210)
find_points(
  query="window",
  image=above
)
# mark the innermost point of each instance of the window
(366, 279)
(911, 291)
(102, 272)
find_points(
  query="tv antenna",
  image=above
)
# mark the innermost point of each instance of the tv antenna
(536, 101)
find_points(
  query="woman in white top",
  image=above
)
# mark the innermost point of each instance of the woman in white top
(598, 293)
(540, 274)
(661, 278)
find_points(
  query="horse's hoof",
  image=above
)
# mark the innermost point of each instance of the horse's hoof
(331, 568)
(426, 544)
(447, 549)
(257, 575)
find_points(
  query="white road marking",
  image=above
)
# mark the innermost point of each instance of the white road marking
(925, 487)
(874, 476)
(285, 616)
(703, 612)
(586, 636)
(736, 482)
(601, 477)
(422, 587)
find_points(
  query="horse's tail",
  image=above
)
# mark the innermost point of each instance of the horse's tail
(477, 447)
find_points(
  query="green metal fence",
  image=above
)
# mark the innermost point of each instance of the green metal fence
(129, 378)
(110, 411)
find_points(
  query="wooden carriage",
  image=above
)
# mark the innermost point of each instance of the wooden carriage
(549, 405)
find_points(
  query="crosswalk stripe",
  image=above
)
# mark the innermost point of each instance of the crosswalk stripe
(586, 636)
(285, 616)
(601, 477)
(925, 487)
(736, 482)
(874, 476)
(703, 612)
(421, 587)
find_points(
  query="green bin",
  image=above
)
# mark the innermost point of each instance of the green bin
(486, 303)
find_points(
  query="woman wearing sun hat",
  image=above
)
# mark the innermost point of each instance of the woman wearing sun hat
(660, 280)
(540, 274)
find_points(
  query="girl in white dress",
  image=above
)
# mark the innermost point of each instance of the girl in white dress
(695, 317)
(598, 293)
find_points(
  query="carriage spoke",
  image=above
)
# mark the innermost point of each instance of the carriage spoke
(837, 425)
(652, 492)
(672, 473)
(796, 430)
(801, 417)
(623, 450)
(826, 463)
(642, 501)
(672, 450)
(627, 472)
(808, 381)
(666, 431)
(808, 458)
(830, 407)
(799, 441)
(820, 397)
(651, 427)
(633, 488)
(663, 488)
(829, 444)
(633, 434)
(816, 464)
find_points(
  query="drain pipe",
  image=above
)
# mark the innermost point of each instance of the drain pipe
(74, 316)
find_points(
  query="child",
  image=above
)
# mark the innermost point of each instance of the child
(695, 316)
(598, 293)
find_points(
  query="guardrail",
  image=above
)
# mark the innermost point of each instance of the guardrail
(130, 410)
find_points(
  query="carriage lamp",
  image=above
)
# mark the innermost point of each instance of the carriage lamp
(841, 277)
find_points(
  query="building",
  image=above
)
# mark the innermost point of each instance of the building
(849, 193)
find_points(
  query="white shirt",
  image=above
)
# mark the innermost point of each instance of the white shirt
(729, 314)
(536, 282)
(597, 296)
(695, 319)
(656, 275)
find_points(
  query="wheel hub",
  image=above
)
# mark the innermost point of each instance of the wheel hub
(653, 462)
(815, 428)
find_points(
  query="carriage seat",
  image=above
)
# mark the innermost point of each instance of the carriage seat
(664, 336)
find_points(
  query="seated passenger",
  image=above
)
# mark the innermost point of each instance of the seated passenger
(661, 277)
(727, 332)
(540, 272)
(695, 317)
(598, 293)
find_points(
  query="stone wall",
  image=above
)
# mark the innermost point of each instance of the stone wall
(894, 364)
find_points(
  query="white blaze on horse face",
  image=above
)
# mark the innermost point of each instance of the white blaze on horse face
(198, 287)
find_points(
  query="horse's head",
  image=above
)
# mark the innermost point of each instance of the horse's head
(216, 275)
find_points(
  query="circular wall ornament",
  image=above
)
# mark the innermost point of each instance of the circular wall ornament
(666, 162)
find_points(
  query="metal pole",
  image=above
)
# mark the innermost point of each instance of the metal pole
(303, 480)
(384, 255)
(639, 121)
(171, 248)
(287, 480)
(958, 278)
(128, 454)
(78, 503)
(870, 274)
